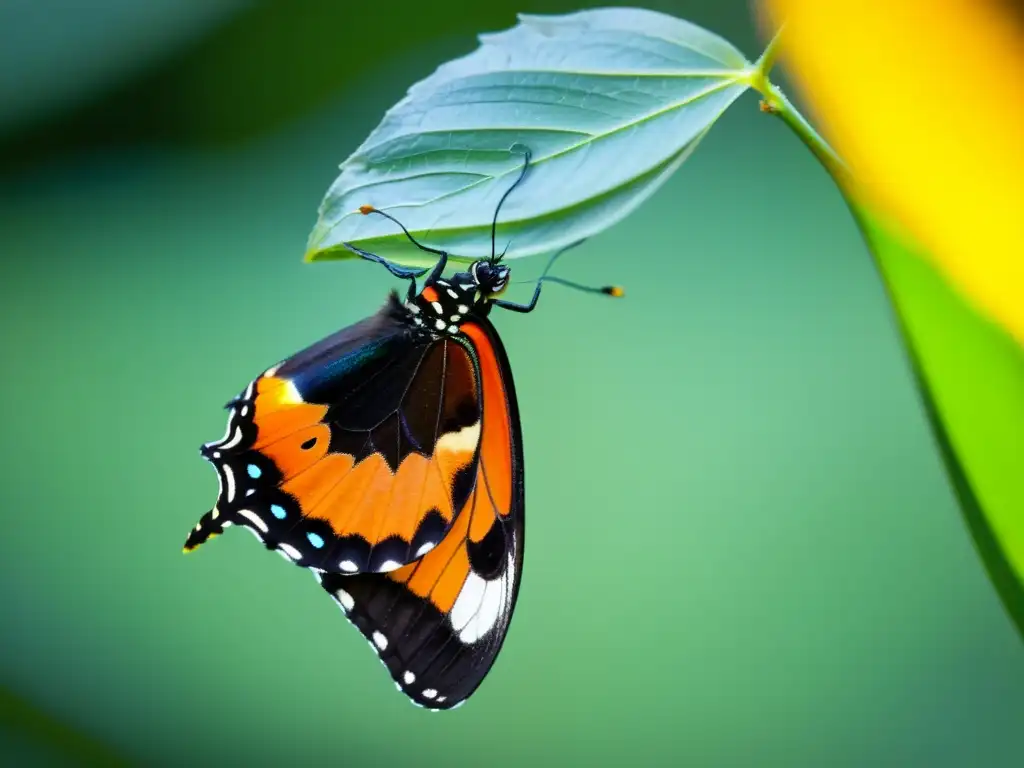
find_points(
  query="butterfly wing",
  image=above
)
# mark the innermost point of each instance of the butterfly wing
(438, 623)
(355, 454)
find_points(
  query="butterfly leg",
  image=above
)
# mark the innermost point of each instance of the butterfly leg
(520, 307)
(540, 282)
(404, 273)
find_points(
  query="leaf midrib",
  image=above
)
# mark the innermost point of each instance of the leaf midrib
(737, 79)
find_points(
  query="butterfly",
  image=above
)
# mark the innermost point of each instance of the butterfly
(388, 460)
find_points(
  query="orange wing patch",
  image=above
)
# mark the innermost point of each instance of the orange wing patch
(366, 497)
(279, 411)
(495, 451)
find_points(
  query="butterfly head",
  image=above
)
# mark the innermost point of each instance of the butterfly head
(490, 277)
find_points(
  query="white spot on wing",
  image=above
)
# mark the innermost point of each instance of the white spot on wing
(348, 566)
(425, 548)
(439, 324)
(437, 307)
(429, 693)
(346, 600)
(227, 432)
(463, 309)
(229, 476)
(291, 551)
(255, 519)
(453, 294)
(380, 641)
(389, 565)
(236, 438)
(479, 605)
(409, 678)
(291, 393)
(463, 441)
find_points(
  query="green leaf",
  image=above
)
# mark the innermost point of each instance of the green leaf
(969, 373)
(971, 377)
(610, 102)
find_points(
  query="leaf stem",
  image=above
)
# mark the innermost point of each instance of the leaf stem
(767, 60)
(776, 103)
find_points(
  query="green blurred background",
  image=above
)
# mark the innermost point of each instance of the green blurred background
(742, 547)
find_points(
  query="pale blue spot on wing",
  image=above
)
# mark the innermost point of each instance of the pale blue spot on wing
(315, 539)
(254, 471)
(277, 511)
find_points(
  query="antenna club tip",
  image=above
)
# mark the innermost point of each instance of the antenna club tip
(615, 291)
(366, 209)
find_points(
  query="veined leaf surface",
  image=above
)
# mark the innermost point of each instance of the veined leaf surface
(609, 102)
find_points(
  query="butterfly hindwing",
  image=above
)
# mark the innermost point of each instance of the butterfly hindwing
(438, 623)
(354, 455)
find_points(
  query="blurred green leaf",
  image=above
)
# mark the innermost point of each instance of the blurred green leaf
(969, 371)
(609, 101)
(971, 377)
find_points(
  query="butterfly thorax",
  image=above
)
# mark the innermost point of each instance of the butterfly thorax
(445, 303)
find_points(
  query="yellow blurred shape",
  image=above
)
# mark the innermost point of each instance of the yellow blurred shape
(925, 101)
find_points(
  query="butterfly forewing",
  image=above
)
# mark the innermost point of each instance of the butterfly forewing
(354, 455)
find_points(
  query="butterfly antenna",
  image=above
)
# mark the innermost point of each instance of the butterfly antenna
(368, 209)
(494, 222)
(608, 290)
